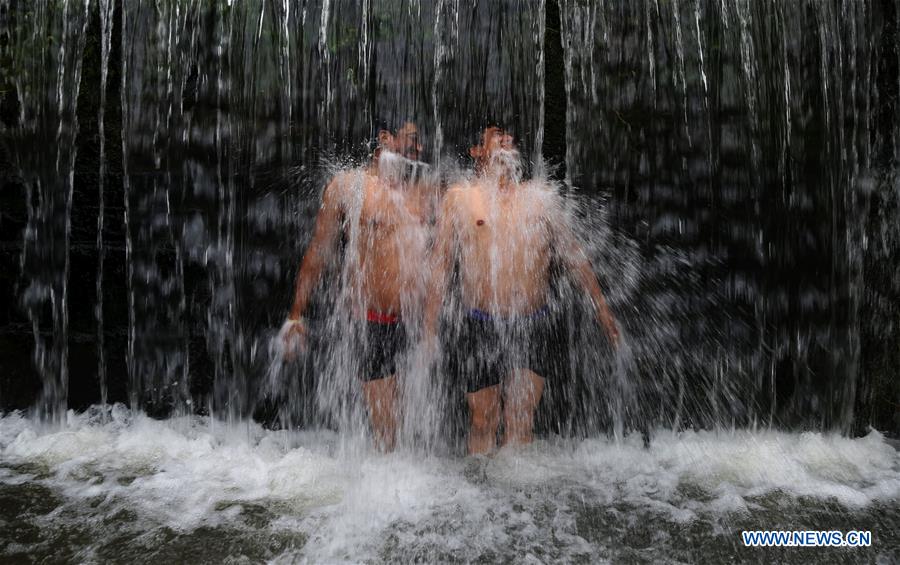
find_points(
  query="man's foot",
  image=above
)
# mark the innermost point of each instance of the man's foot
(476, 469)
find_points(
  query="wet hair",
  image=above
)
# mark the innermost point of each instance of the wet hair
(478, 138)
(499, 115)
(378, 125)
(383, 124)
(492, 121)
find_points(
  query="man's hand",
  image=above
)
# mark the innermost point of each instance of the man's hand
(576, 259)
(293, 337)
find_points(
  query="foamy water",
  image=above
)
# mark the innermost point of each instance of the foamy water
(126, 487)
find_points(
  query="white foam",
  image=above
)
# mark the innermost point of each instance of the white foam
(192, 471)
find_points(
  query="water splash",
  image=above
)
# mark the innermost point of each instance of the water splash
(293, 498)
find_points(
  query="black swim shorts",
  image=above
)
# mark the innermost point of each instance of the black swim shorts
(380, 347)
(484, 349)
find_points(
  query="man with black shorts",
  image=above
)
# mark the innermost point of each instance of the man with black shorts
(503, 233)
(384, 214)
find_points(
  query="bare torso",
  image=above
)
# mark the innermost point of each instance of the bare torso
(504, 247)
(390, 242)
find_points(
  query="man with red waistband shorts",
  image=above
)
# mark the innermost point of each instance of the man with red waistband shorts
(383, 212)
(502, 233)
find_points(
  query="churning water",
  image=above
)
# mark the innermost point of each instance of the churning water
(728, 167)
(121, 487)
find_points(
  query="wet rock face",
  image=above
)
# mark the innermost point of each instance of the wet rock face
(742, 151)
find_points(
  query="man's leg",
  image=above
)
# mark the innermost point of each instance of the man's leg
(381, 399)
(522, 393)
(484, 418)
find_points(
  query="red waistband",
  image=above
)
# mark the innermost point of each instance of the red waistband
(381, 317)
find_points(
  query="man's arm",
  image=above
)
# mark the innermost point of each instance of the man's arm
(321, 248)
(576, 261)
(441, 263)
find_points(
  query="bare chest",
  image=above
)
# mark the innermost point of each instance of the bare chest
(385, 211)
(513, 224)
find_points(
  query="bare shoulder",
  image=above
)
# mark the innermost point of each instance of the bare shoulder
(341, 187)
(544, 197)
(456, 195)
(343, 180)
(430, 188)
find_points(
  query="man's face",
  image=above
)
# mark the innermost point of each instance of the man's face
(497, 152)
(495, 139)
(406, 141)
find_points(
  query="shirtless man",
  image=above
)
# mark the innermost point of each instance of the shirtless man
(384, 217)
(503, 233)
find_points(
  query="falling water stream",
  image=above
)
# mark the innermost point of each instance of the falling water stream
(727, 166)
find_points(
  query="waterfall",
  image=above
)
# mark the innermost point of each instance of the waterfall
(727, 157)
(46, 55)
(724, 134)
(107, 14)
